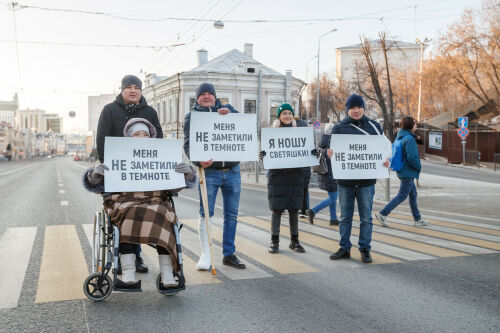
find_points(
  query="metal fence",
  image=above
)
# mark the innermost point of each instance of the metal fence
(496, 160)
(472, 157)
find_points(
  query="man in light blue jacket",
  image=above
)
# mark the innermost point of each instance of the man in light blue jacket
(410, 170)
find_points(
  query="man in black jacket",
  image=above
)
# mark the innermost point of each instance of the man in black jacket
(360, 190)
(128, 104)
(223, 175)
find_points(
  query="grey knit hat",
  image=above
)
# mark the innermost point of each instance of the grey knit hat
(129, 80)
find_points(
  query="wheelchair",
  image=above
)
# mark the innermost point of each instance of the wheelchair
(105, 244)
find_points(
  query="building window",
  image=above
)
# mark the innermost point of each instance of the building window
(170, 111)
(250, 105)
(164, 112)
(250, 70)
(191, 103)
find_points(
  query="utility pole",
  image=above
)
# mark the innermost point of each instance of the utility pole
(317, 80)
(422, 44)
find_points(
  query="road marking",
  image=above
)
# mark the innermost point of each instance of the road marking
(445, 235)
(63, 268)
(322, 242)
(16, 245)
(62, 191)
(64, 203)
(471, 226)
(193, 276)
(400, 242)
(191, 241)
(198, 200)
(8, 172)
(278, 262)
(60, 184)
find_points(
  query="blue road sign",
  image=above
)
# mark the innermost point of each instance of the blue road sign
(317, 124)
(463, 122)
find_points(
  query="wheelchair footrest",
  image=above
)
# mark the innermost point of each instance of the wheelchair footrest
(119, 285)
(171, 290)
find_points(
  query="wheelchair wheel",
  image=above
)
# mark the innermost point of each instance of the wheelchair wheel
(98, 288)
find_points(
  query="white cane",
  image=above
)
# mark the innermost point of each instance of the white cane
(204, 199)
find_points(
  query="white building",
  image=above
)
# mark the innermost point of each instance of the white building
(239, 80)
(96, 104)
(8, 110)
(52, 122)
(30, 119)
(401, 55)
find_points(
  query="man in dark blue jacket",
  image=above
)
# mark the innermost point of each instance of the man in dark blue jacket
(410, 170)
(223, 175)
(361, 190)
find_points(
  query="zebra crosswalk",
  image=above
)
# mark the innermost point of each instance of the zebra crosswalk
(64, 263)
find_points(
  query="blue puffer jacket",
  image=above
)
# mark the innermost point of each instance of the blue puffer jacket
(345, 127)
(187, 123)
(411, 167)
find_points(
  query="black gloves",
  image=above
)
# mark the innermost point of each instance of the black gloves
(315, 152)
(262, 153)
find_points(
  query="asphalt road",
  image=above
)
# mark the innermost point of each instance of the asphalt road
(440, 278)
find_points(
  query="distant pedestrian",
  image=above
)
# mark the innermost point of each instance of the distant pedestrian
(285, 190)
(8, 152)
(360, 190)
(407, 175)
(327, 183)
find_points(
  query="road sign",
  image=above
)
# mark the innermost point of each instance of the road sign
(463, 132)
(463, 122)
(317, 124)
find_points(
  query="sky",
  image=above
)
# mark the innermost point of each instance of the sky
(54, 72)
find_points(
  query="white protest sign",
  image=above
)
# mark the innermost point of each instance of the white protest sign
(288, 147)
(141, 164)
(223, 138)
(359, 156)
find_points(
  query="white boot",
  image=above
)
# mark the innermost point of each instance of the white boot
(204, 262)
(167, 270)
(128, 268)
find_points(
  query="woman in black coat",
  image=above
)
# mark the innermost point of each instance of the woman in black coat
(285, 190)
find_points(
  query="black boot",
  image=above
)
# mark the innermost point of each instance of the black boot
(334, 222)
(310, 215)
(365, 256)
(295, 245)
(275, 243)
(140, 266)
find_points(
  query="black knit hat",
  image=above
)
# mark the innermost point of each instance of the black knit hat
(205, 87)
(354, 100)
(129, 80)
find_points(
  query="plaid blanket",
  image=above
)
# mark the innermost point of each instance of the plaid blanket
(144, 218)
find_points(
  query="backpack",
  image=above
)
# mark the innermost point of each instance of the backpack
(322, 167)
(398, 159)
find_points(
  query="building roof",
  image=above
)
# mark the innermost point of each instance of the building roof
(376, 44)
(229, 61)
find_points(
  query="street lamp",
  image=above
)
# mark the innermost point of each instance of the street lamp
(422, 44)
(317, 82)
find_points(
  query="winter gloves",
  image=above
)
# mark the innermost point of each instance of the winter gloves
(97, 175)
(187, 170)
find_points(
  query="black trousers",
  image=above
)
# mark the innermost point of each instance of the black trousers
(128, 248)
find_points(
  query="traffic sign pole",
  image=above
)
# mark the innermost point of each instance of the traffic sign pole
(463, 151)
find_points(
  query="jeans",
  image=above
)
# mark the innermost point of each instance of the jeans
(364, 197)
(230, 184)
(331, 202)
(407, 188)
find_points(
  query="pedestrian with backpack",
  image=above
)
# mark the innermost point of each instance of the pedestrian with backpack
(406, 162)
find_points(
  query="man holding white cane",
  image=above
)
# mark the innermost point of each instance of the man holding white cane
(223, 175)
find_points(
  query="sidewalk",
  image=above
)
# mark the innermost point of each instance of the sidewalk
(484, 166)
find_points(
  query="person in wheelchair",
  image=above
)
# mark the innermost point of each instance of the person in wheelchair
(156, 225)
